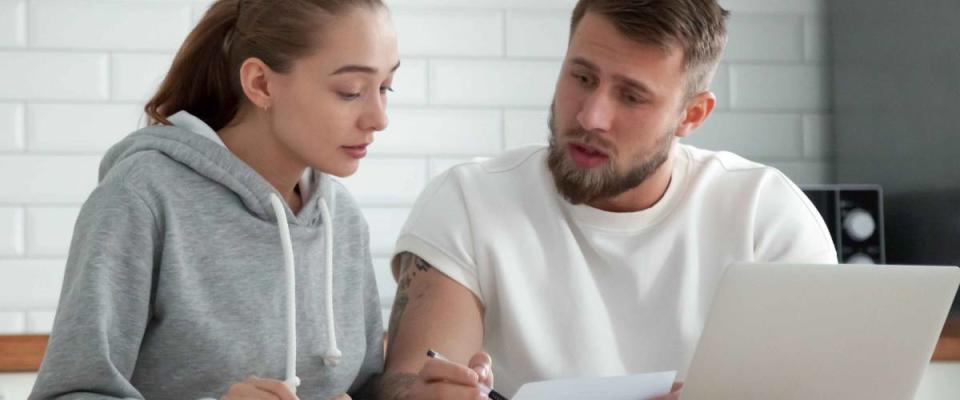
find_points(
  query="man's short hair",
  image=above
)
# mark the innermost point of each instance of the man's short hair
(696, 26)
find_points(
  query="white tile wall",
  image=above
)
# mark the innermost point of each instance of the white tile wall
(49, 230)
(136, 76)
(13, 31)
(45, 75)
(493, 82)
(450, 33)
(108, 25)
(476, 78)
(11, 127)
(780, 87)
(12, 322)
(441, 132)
(30, 284)
(80, 128)
(11, 232)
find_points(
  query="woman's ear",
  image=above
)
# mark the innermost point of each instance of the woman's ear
(697, 110)
(255, 82)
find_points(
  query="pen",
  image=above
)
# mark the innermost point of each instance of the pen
(483, 388)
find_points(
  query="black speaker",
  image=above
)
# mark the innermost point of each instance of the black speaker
(854, 216)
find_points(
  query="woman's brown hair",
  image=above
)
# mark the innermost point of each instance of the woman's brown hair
(204, 77)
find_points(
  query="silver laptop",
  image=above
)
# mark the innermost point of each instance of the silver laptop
(784, 332)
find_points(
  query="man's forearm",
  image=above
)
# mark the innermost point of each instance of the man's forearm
(387, 386)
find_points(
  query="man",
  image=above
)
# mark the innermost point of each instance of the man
(598, 255)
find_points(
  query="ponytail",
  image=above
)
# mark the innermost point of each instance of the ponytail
(201, 79)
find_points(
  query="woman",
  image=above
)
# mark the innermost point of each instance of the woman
(216, 248)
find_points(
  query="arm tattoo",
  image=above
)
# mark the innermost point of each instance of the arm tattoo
(407, 274)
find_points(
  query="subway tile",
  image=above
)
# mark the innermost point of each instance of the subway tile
(720, 86)
(751, 135)
(136, 77)
(11, 127)
(817, 137)
(12, 226)
(40, 322)
(53, 76)
(816, 38)
(108, 25)
(537, 33)
(50, 230)
(409, 83)
(525, 127)
(80, 128)
(13, 15)
(12, 323)
(385, 225)
(774, 87)
(47, 179)
(450, 33)
(30, 284)
(765, 38)
(441, 132)
(493, 83)
(775, 6)
(387, 181)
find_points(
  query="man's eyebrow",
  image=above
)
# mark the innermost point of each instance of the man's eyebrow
(626, 81)
(361, 69)
(583, 62)
(634, 84)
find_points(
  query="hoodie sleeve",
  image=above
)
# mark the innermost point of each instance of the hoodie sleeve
(373, 320)
(105, 301)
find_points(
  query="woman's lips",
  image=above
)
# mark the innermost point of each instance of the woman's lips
(356, 152)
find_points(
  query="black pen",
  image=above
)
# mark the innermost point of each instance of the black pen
(487, 391)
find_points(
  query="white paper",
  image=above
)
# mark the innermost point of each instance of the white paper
(629, 387)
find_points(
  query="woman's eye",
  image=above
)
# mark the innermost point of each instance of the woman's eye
(385, 89)
(349, 95)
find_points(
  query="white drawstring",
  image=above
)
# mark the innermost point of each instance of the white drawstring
(292, 381)
(332, 356)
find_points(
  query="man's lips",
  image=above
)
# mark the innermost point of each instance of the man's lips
(586, 156)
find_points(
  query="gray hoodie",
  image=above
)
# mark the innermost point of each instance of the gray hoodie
(176, 288)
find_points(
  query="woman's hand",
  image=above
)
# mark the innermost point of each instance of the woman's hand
(254, 388)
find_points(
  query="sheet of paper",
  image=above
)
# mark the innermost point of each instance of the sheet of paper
(630, 387)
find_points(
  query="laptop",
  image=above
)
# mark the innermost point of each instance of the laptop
(793, 331)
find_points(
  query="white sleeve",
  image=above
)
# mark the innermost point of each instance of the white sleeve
(439, 232)
(788, 228)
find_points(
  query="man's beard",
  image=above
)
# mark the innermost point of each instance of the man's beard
(586, 185)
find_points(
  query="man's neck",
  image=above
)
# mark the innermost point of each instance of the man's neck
(641, 197)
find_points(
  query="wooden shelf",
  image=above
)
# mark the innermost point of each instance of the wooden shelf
(948, 348)
(24, 353)
(21, 353)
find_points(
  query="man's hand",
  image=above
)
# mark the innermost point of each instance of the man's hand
(674, 392)
(440, 379)
(254, 388)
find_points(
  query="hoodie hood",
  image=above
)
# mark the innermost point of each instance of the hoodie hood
(192, 143)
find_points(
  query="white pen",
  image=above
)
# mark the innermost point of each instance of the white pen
(486, 390)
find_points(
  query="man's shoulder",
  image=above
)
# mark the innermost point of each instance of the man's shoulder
(520, 164)
(723, 160)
